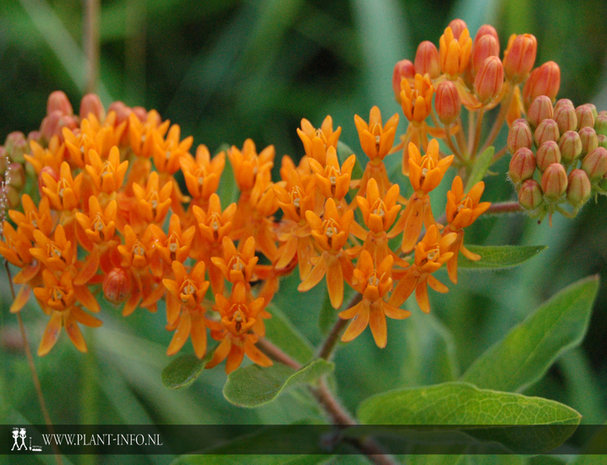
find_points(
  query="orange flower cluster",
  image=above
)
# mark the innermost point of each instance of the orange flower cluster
(469, 72)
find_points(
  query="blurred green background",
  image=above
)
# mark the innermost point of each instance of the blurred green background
(226, 70)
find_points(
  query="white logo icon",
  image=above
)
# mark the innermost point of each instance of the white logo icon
(19, 436)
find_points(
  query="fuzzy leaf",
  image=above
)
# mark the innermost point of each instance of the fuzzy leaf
(183, 370)
(480, 168)
(282, 333)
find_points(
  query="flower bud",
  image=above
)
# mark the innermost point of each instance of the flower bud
(457, 26)
(483, 47)
(547, 154)
(600, 125)
(403, 69)
(570, 145)
(4, 160)
(454, 51)
(15, 176)
(547, 130)
(51, 172)
(16, 146)
(530, 195)
(519, 57)
(489, 79)
(539, 110)
(13, 196)
(563, 103)
(522, 165)
(426, 59)
(554, 181)
(565, 118)
(595, 163)
(117, 286)
(602, 140)
(141, 113)
(447, 102)
(58, 101)
(50, 125)
(544, 80)
(519, 135)
(91, 103)
(589, 139)
(579, 188)
(585, 115)
(122, 111)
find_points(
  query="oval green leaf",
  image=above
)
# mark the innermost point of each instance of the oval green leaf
(529, 349)
(283, 334)
(495, 257)
(253, 385)
(183, 370)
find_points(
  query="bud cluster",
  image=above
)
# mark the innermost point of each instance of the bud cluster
(559, 155)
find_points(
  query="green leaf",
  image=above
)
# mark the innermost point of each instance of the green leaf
(527, 351)
(480, 167)
(458, 403)
(494, 257)
(183, 370)
(253, 385)
(283, 334)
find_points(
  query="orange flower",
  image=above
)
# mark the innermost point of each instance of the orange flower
(416, 99)
(15, 248)
(202, 174)
(98, 226)
(462, 210)
(331, 234)
(152, 202)
(373, 284)
(332, 180)
(64, 193)
(92, 136)
(141, 133)
(240, 327)
(171, 246)
(107, 175)
(56, 254)
(167, 152)
(430, 254)
(375, 140)
(317, 141)
(237, 265)
(50, 157)
(454, 53)
(33, 217)
(248, 165)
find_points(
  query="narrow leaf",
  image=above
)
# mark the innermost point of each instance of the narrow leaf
(283, 334)
(480, 168)
(527, 351)
(253, 386)
(183, 370)
(494, 257)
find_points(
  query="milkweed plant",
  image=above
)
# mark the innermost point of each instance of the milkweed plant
(113, 210)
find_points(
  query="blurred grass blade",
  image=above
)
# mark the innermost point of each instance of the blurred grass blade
(252, 386)
(494, 257)
(528, 350)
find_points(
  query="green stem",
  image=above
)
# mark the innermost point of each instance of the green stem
(504, 207)
(499, 120)
(477, 133)
(328, 346)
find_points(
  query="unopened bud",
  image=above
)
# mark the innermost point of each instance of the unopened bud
(590, 140)
(595, 163)
(122, 111)
(426, 60)
(547, 130)
(483, 47)
(117, 286)
(58, 101)
(140, 113)
(570, 145)
(16, 145)
(565, 118)
(91, 103)
(530, 195)
(547, 154)
(519, 135)
(522, 165)
(579, 188)
(489, 79)
(585, 115)
(13, 196)
(15, 175)
(554, 181)
(4, 161)
(457, 27)
(602, 140)
(544, 80)
(520, 57)
(600, 125)
(539, 110)
(403, 69)
(50, 125)
(563, 103)
(447, 102)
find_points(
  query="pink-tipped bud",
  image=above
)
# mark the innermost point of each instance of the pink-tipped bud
(520, 57)
(58, 101)
(589, 138)
(563, 103)
(403, 69)
(141, 113)
(579, 188)
(546, 130)
(519, 135)
(447, 102)
(554, 181)
(489, 79)
(547, 154)
(570, 145)
(91, 103)
(117, 286)
(600, 125)
(545, 80)
(585, 115)
(565, 117)
(522, 165)
(539, 110)
(15, 176)
(595, 163)
(427, 60)
(483, 47)
(16, 145)
(50, 124)
(602, 140)
(48, 170)
(457, 27)
(121, 110)
(530, 195)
